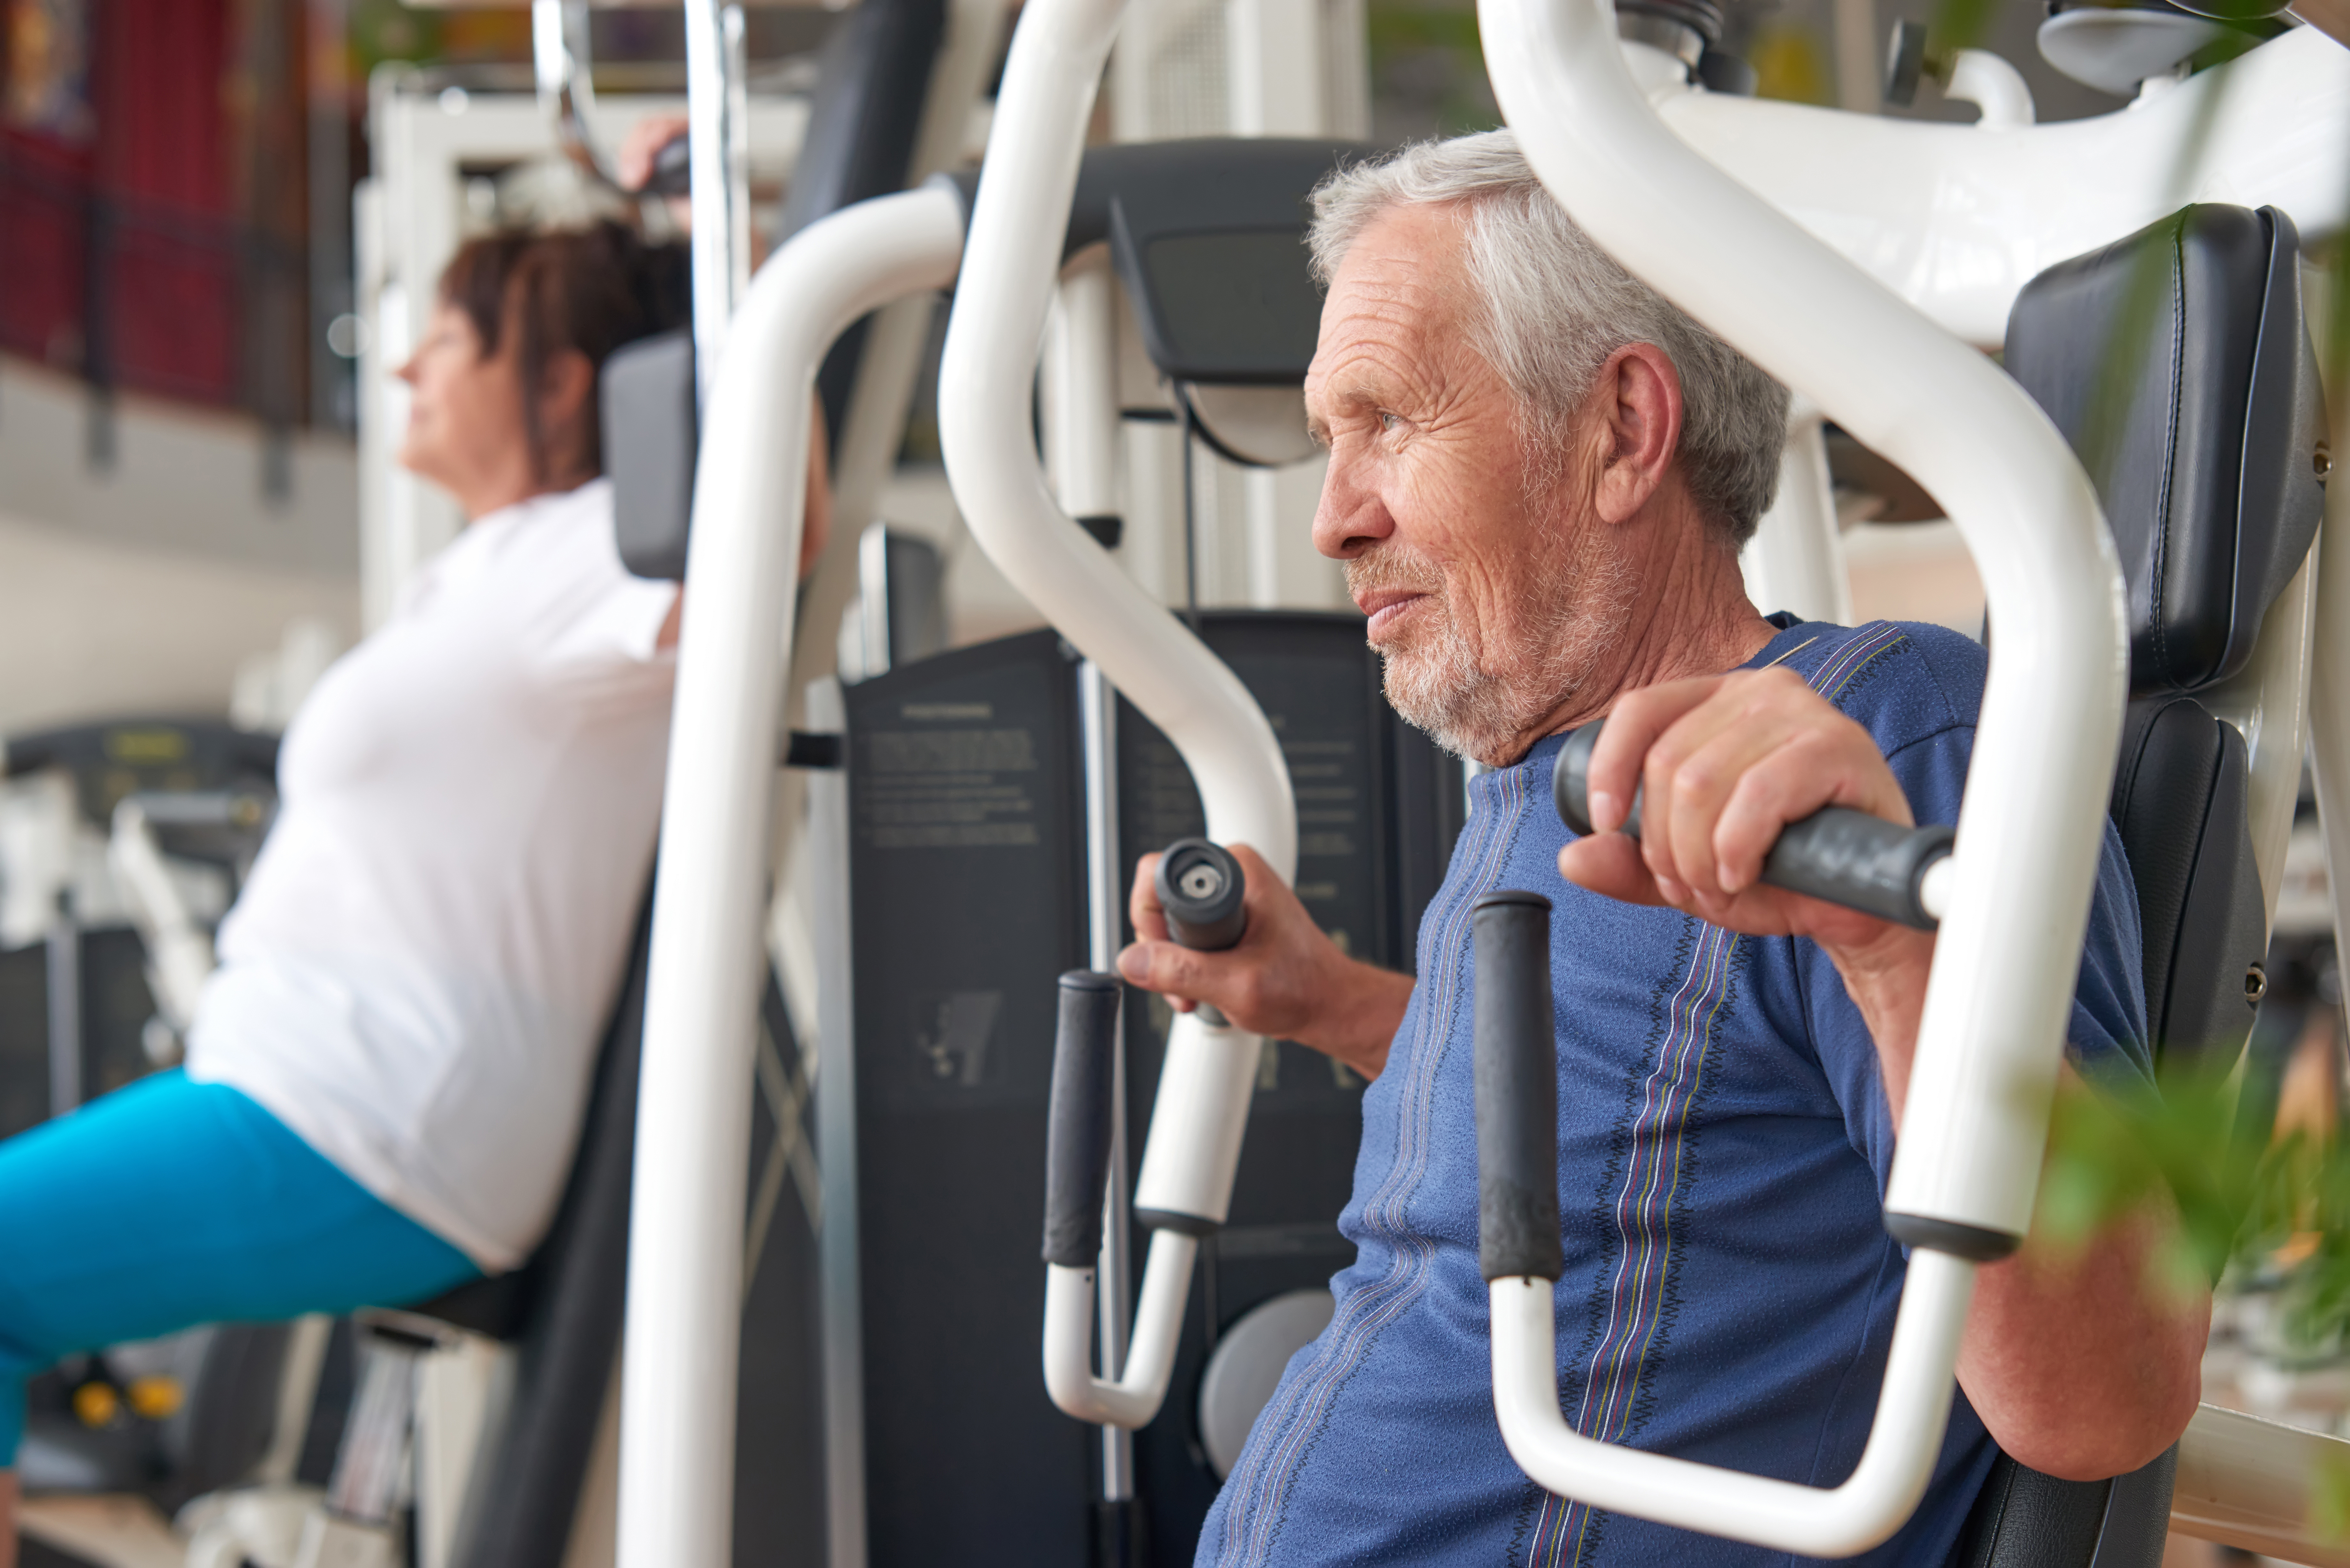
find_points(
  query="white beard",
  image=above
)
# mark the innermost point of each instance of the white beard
(1569, 607)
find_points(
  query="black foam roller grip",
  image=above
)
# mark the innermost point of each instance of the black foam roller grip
(1202, 889)
(1843, 855)
(1517, 1090)
(1077, 1135)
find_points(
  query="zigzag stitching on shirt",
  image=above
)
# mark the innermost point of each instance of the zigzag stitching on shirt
(1258, 1491)
(1861, 654)
(1654, 1144)
(1639, 1300)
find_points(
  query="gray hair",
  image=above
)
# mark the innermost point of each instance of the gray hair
(1554, 306)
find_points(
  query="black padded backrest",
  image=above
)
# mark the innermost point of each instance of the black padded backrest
(2022, 1518)
(2178, 363)
(652, 429)
(2179, 802)
(873, 83)
(562, 1310)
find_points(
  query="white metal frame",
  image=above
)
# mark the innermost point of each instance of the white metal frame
(1795, 560)
(1956, 219)
(1002, 301)
(685, 1256)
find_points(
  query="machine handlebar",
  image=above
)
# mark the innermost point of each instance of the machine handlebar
(1202, 889)
(1843, 855)
(1517, 1089)
(1200, 886)
(1076, 1156)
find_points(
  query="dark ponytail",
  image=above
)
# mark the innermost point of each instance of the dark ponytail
(584, 291)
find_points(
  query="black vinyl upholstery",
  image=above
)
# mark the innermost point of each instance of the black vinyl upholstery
(562, 1311)
(2179, 802)
(2178, 363)
(2023, 1518)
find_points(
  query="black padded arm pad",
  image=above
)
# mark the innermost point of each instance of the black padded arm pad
(2178, 363)
(2179, 802)
(568, 1307)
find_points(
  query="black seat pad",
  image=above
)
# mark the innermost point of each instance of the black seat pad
(2023, 1518)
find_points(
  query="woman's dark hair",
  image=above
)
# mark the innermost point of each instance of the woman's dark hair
(584, 291)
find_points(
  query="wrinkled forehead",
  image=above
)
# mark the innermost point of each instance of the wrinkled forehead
(1399, 301)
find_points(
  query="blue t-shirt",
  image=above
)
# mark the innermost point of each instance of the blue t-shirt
(1724, 1142)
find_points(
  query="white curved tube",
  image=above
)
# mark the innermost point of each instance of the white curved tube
(2031, 822)
(1133, 1397)
(1957, 222)
(179, 950)
(1002, 301)
(1985, 81)
(685, 1248)
(1795, 559)
(1813, 1522)
(1204, 1089)
(2033, 813)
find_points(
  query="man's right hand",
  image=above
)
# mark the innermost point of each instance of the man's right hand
(1285, 979)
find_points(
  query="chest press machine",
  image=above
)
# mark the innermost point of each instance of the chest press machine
(2244, 509)
(1145, 203)
(2048, 736)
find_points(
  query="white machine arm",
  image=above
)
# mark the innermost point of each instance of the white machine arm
(685, 1254)
(179, 948)
(1002, 303)
(2030, 830)
(1958, 218)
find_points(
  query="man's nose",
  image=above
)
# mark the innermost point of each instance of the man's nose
(1351, 515)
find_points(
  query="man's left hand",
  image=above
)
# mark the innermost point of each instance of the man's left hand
(1723, 764)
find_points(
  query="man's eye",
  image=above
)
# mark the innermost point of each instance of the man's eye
(1388, 422)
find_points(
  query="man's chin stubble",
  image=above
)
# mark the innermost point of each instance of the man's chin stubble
(1437, 684)
(1442, 694)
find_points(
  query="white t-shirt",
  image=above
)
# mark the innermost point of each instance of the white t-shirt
(418, 975)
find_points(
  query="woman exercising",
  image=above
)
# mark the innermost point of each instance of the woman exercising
(386, 1076)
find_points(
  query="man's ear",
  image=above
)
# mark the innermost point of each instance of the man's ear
(1638, 399)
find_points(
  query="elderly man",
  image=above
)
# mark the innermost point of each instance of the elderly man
(1540, 476)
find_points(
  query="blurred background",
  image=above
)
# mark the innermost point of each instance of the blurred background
(179, 322)
(205, 216)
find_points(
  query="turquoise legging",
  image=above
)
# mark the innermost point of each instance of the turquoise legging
(170, 1204)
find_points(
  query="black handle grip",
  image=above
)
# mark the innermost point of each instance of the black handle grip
(1517, 1090)
(1843, 855)
(1076, 1150)
(1201, 887)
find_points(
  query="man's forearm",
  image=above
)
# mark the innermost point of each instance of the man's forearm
(2081, 1361)
(2085, 1361)
(1363, 1008)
